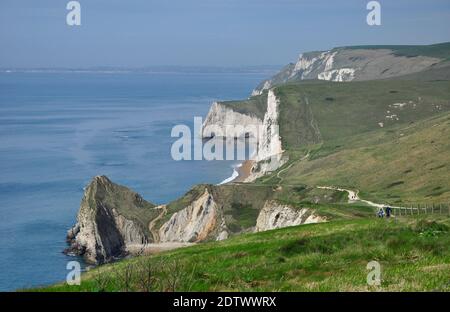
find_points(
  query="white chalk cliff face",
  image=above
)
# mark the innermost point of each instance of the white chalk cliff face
(269, 156)
(343, 64)
(221, 116)
(269, 153)
(193, 223)
(274, 215)
(102, 233)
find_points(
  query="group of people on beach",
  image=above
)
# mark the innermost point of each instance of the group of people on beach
(384, 211)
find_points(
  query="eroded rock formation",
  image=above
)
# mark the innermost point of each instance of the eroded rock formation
(274, 215)
(103, 229)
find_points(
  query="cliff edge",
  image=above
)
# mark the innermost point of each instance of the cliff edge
(111, 217)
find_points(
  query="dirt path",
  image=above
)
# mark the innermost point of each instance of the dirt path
(354, 197)
(156, 246)
(151, 225)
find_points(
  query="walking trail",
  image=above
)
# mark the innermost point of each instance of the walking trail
(353, 197)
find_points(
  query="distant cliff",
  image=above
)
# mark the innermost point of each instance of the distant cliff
(358, 63)
(269, 152)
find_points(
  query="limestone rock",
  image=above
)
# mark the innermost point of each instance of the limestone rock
(274, 215)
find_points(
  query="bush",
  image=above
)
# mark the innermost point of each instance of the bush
(430, 228)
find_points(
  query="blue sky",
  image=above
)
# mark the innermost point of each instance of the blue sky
(137, 33)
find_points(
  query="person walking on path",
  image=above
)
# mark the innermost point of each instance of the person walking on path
(388, 211)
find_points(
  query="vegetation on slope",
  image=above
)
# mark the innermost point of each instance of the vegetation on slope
(340, 110)
(440, 50)
(413, 254)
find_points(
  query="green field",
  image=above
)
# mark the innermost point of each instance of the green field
(440, 50)
(413, 253)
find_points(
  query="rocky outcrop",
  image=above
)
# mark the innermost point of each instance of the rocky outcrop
(269, 155)
(347, 64)
(103, 231)
(221, 115)
(194, 223)
(274, 215)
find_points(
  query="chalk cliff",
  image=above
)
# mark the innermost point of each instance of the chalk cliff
(221, 115)
(105, 225)
(193, 223)
(347, 64)
(274, 215)
(268, 155)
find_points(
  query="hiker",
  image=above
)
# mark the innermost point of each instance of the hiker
(381, 213)
(388, 211)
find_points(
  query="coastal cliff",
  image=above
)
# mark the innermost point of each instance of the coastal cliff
(274, 215)
(193, 223)
(221, 115)
(268, 155)
(347, 64)
(111, 217)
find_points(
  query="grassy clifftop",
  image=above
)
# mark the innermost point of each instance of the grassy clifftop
(413, 254)
(440, 50)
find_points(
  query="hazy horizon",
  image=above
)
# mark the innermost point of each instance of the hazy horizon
(218, 33)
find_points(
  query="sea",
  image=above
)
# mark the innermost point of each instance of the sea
(60, 129)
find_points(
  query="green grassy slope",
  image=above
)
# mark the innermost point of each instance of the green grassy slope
(340, 110)
(254, 106)
(440, 50)
(413, 254)
(389, 139)
(402, 164)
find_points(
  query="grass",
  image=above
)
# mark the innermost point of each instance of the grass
(307, 116)
(414, 255)
(404, 164)
(254, 106)
(440, 50)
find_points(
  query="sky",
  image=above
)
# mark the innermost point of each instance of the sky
(140, 33)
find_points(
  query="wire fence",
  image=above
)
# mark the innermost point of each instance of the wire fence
(422, 209)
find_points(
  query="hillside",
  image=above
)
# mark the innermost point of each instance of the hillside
(359, 63)
(413, 254)
(386, 138)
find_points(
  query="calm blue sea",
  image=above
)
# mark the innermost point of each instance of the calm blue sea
(58, 130)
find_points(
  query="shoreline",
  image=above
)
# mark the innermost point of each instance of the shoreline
(244, 171)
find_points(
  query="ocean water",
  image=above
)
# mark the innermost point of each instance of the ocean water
(58, 130)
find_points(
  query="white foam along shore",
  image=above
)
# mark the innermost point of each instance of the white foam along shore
(233, 176)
